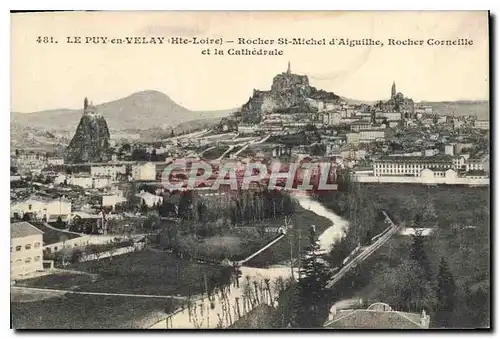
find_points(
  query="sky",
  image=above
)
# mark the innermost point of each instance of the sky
(51, 76)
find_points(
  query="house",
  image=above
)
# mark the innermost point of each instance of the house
(361, 126)
(144, 172)
(40, 208)
(86, 181)
(376, 316)
(149, 199)
(111, 200)
(390, 116)
(476, 164)
(482, 124)
(55, 161)
(108, 171)
(476, 174)
(26, 245)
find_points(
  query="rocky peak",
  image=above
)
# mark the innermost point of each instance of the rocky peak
(91, 140)
(288, 93)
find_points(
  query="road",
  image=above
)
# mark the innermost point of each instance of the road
(35, 289)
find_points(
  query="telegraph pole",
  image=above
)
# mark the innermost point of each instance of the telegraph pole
(288, 227)
(291, 256)
(299, 253)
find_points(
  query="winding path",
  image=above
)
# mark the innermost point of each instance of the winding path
(36, 289)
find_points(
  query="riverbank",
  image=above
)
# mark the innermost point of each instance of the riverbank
(210, 311)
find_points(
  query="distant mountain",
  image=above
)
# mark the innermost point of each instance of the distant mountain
(27, 138)
(141, 110)
(479, 108)
(358, 102)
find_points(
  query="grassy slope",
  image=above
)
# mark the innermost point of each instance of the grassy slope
(87, 312)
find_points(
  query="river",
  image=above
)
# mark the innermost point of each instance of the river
(207, 316)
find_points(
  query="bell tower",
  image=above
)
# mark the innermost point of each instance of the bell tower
(393, 89)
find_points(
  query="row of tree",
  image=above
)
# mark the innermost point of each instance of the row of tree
(242, 207)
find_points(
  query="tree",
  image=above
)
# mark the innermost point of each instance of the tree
(314, 296)
(76, 255)
(144, 207)
(419, 256)
(445, 294)
(59, 223)
(404, 287)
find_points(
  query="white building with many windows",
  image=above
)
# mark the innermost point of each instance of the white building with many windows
(26, 243)
(410, 166)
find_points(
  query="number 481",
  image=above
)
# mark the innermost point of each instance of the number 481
(46, 40)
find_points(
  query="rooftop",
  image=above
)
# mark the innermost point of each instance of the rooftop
(438, 158)
(23, 229)
(375, 319)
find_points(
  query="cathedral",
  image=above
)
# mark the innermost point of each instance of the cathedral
(398, 103)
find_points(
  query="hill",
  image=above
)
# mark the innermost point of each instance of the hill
(141, 110)
(27, 138)
(480, 108)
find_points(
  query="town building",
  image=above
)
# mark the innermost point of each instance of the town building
(476, 164)
(423, 109)
(84, 180)
(248, 128)
(410, 166)
(353, 139)
(449, 149)
(390, 116)
(149, 199)
(482, 124)
(111, 171)
(476, 175)
(55, 161)
(332, 118)
(360, 126)
(37, 208)
(371, 135)
(26, 249)
(393, 124)
(144, 172)
(458, 162)
(111, 200)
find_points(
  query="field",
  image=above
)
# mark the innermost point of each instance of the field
(146, 272)
(57, 281)
(455, 204)
(72, 311)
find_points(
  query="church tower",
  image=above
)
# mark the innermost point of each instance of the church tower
(289, 70)
(393, 89)
(85, 103)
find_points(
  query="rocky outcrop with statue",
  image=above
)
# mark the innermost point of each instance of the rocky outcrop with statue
(290, 93)
(91, 140)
